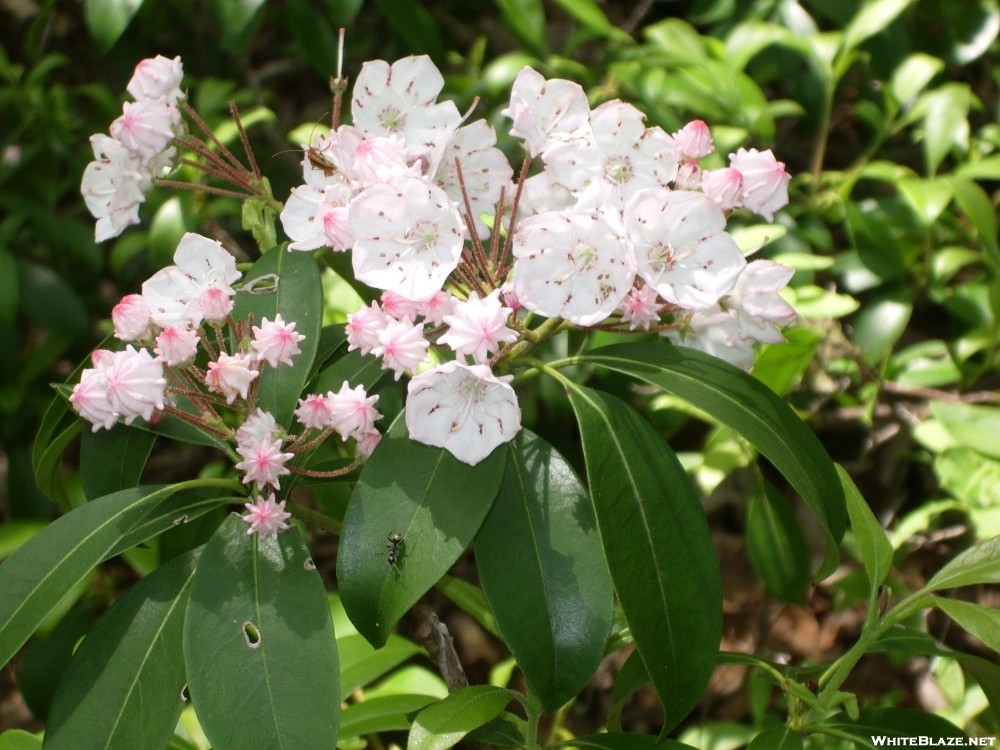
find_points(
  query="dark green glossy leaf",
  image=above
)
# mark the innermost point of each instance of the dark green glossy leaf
(777, 546)
(123, 687)
(314, 35)
(57, 559)
(297, 297)
(744, 404)
(434, 501)
(112, 460)
(874, 546)
(657, 546)
(541, 566)
(107, 19)
(443, 724)
(354, 368)
(525, 19)
(258, 638)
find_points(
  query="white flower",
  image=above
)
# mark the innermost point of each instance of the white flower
(546, 112)
(401, 345)
(314, 412)
(408, 237)
(363, 327)
(352, 411)
(572, 264)
(177, 346)
(724, 186)
(765, 181)
(266, 517)
(477, 327)
(316, 216)
(135, 383)
(464, 409)
(90, 397)
(641, 308)
(257, 427)
(263, 462)
(174, 294)
(681, 248)
(131, 318)
(401, 100)
(693, 141)
(114, 185)
(146, 128)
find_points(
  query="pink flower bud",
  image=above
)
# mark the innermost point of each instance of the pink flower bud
(694, 141)
(724, 186)
(177, 346)
(215, 305)
(131, 318)
(231, 375)
(765, 181)
(155, 77)
(276, 341)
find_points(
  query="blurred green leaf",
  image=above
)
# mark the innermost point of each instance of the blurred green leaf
(978, 207)
(361, 663)
(526, 21)
(107, 19)
(892, 722)
(315, 36)
(258, 632)
(541, 566)
(385, 713)
(415, 24)
(973, 425)
(777, 546)
(928, 197)
(621, 741)
(975, 619)
(589, 14)
(873, 17)
(19, 739)
(880, 322)
(913, 75)
(123, 686)
(657, 545)
(235, 18)
(945, 113)
(47, 299)
(777, 738)
(9, 287)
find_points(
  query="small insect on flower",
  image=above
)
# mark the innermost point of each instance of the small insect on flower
(321, 161)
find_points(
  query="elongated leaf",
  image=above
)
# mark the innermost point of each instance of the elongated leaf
(107, 19)
(295, 293)
(541, 566)
(979, 564)
(360, 663)
(112, 460)
(777, 738)
(259, 642)
(874, 546)
(57, 559)
(738, 400)
(980, 621)
(657, 545)
(123, 686)
(893, 722)
(589, 14)
(433, 501)
(525, 19)
(622, 741)
(873, 17)
(776, 545)
(444, 723)
(383, 713)
(354, 368)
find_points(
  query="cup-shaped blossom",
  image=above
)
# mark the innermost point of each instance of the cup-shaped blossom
(363, 327)
(401, 345)
(573, 264)
(155, 77)
(276, 341)
(174, 294)
(231, 375)
(313, 412)
(91, 401)
(135, 383)
(465, 409)
(113, 186)
(546, 112)
(408, 237)
(257, 427)
(400, 99)
(681, 247)
(765, 181)
(146, 128)
(266, 517)
(478, 327)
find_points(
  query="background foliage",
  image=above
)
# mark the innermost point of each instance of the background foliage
(885, 112)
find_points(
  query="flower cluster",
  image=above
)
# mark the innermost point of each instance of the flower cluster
(177, 361)
(619, 228)
(139, 148)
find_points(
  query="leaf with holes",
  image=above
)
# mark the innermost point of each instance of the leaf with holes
(259, 643)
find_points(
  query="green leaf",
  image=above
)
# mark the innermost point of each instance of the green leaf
(974, 619)
(297, 295)
(8, 287)
(259, 644)
(360, 663)
(433, 501)
(979, 564)
(415, 24)
(235, 17)
(972, 425)
(112, 460)
(123, 686)
(912, 76)
(445, 723)
(881, 321)
(354, 368)
(57, 559)
(747, 406)
(384, 713)
(525, 19)
(874, 546)
(777, 738)
(314, 36)
(873, 17)
(946, 125)
(977, 206)
(107, 19)
(541, 566)
(590, 16)
(892, 722)
(621, 741)
(18, 739)
(777, 546)
(657, 545)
